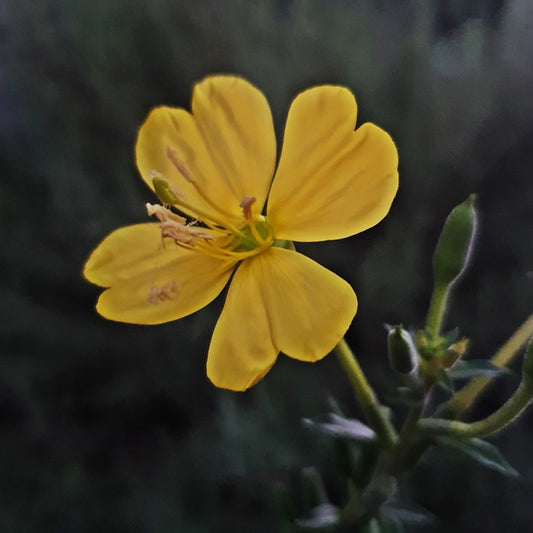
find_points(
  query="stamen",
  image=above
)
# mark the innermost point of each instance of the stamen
(168, 291)
(163, 214)
(187, 175)
(167, 193)
(174, 226)
(246, 204)
(179, 164)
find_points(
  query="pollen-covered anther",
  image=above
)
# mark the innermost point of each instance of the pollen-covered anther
(179, 164)
(168, 291)
(183, 234)
(246, 204)
(164, 214)
(174, 226)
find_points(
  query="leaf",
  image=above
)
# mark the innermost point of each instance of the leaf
(480, 451)
(339, 426)
(475, 368)
(451, 336)
(405, 396)
(372, 526)
(323, 516)
(401, 513)
(444, 382)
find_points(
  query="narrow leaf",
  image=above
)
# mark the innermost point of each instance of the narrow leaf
(475, 368)
(322, 516)
(481, 451)
(405, 396)
(338, 426)
(444, 382)
(407, 513)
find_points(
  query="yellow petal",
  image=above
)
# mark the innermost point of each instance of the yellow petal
(331, 182)
(227, 144)
(164, 128)
(236, 125)
(124, 254)
(151, 284)
(309, 307)
(241, 350)
(279, 300)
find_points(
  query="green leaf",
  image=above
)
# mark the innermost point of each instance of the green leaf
(480, 451)
(451, 336)
(475, 368)
(339, 426)
(400, 514)
(372, 526)
(405, 396)
(323, 516)
(444, 382)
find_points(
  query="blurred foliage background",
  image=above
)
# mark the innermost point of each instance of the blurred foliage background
(114, 427)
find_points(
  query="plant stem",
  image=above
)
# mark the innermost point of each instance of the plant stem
(464, 398)
(494, 423)
(437, 308)
(366, 397)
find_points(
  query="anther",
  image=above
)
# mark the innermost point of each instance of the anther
(165, 192)
(246, 204)
(163, 214)
(174, 226)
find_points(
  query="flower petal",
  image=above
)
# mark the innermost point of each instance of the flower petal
(164, 128)
(308, 306)
(227, 144)
(151, 284)
(331, 182)
(236, 125)
(241, 350)
(279, 300)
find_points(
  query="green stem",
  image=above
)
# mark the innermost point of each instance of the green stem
(366, 397)
(494, 423)
(437, 308)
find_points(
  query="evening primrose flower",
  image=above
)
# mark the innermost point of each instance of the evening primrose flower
(222, 215)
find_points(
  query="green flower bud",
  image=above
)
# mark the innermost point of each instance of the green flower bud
(455, 243)
(403, 357)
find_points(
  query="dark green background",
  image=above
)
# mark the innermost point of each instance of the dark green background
(111, 427)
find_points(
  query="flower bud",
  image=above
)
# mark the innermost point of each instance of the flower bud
(455, 243)
(403, 357)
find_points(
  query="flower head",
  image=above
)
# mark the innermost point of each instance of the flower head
(215, 167)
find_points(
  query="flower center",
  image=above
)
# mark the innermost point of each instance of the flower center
(247, 241)
(213, 231)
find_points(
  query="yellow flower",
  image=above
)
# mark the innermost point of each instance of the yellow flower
(215, 167)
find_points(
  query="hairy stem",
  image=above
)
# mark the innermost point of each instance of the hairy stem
(437, 308)
(494, 423)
